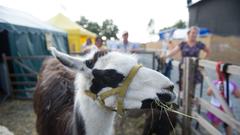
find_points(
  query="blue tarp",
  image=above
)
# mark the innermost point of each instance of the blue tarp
(166, 34)
(174, 33)
(204, 32)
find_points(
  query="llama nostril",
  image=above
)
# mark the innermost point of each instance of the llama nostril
(170, 88)
(164, 97)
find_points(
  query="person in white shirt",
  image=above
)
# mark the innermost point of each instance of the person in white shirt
(125, 46)
(87, 44)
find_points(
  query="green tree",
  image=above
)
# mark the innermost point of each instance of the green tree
(179, 24)
(109, 29)
(94, 27)
(83, 21)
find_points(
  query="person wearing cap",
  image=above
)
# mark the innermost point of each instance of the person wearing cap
(98, 46)
(126, 46)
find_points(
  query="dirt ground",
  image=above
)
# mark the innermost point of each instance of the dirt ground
(19, 118)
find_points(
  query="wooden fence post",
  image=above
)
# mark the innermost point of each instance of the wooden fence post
(188, 92)
(7, 78)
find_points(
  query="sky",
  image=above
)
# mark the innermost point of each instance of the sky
(130, 15)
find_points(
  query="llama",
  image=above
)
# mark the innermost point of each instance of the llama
(64, 106)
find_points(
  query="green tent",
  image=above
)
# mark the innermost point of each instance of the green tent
(23, 35)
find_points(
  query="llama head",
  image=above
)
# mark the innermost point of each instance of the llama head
(110, 70)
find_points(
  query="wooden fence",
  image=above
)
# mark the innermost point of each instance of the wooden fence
(14, 85)
(227, 117)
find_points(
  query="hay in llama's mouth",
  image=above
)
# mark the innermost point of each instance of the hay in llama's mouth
(166, 97)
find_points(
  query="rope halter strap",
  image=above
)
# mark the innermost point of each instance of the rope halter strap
(119, 91)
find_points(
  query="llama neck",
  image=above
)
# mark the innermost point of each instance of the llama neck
(97, 120)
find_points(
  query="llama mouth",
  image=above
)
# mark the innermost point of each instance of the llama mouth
(155, 104)
(149, 104)
(166, 96)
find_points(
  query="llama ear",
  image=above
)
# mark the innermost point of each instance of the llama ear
(69, 61)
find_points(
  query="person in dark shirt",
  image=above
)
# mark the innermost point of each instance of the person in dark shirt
(189, 48)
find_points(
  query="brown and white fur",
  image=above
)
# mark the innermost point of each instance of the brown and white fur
(62, 107)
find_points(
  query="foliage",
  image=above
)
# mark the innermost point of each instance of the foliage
(107, 29)
(93, 27)
(83, 21)
(180, 24)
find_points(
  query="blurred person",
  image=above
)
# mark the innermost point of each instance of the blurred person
(221, 85)
(166, 64)
(189, 48)
(125, 46)
(87, 44)
(98, 46)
